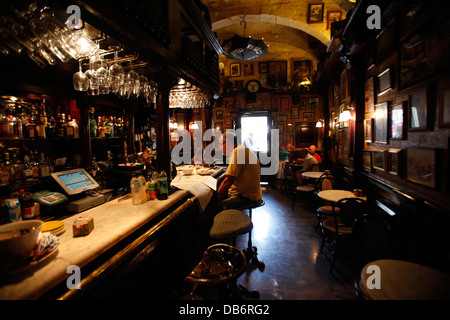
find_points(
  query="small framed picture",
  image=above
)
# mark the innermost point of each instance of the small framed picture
(344, 87)
(282, 117)
(396, 119)
(315, 13)
(235, 69)
(444, 107)
(384, 81)
(295, 112)
(228, 122)
(368, 130)
(381, 122)
(395, 161)
(418, 110)
(313, 103)
(284, 105)
(263, 67)
(303, 103)
(333, 16)
(309, 116)
(379, 160)
(421, 166)
(248, 69)
(367, 159)
(219, 114)
(369, 95)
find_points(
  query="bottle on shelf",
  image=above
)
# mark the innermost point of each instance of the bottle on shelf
(60, 123)
(50, 127)
(163, 187)
(112, 126)
(105, 122)
(92, 123)
(44, 169)
(100, 128)
(4, 173)
(34, 161)
(76, 127)
(31, 124)
(27, 169)
(68, 128)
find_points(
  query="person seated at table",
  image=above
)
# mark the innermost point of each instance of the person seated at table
(308, 161)
(241, 185)
(285, 154)
(312, 150)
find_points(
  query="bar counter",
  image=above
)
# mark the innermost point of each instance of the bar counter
(113, 222)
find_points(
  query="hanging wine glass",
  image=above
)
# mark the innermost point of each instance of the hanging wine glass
(80, 80)
(132, 84)
(117, 74)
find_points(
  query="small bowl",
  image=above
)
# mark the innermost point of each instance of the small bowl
(18, 239)
(187, 171)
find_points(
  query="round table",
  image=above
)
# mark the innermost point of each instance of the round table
(336, 195)
(402, 280)
(312, 174)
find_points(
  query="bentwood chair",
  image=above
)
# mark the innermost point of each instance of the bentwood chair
(289, 177)
(324, 209)
(338, 227)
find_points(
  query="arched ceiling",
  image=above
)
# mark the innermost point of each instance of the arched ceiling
(281, 23)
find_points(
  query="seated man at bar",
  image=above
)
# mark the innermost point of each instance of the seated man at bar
(242, 181)
(312, 150)
(308, 161)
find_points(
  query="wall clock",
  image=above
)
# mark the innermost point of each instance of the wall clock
(253, 86)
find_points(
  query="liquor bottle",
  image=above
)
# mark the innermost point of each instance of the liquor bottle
(44, 170)
(100, 128)
(31, 124)
(27, 204)
(60, 123)
(4, 173)
(107, 127)
(163, 188)
(68, 128)
(34, 161)
(41, 124)
(50, 127)
(4, 130)
(92, 123)
(27, 169)
(112, 125)
(76, 128)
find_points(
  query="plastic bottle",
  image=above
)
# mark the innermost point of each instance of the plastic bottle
(27, 204)
(135, 190)
(163, 188)
(142, 191)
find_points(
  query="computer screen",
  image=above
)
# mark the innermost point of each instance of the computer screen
(75, 181)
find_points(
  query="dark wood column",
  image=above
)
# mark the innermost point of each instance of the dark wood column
(165, 83)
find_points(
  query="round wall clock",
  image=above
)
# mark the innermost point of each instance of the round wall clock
(253, 86)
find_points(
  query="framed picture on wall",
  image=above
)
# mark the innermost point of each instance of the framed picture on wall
(421, 166)
(395, 161)
(370, 96)
(301, 70)
(333, 16)
(263, 67)
(381, 122)
(282, 117)
(277, 76)
(367, 159)
(315, 13)
(397, 122)
(418, 110)
(227, 122)
(235, 69)
(295, 113)
(384, 81)
(368, 130)
(219, 114)
(284, 105)
(248, 69)
(379, 159)
(309, 116)
(313, 103)
(344, 89)
(303, 103)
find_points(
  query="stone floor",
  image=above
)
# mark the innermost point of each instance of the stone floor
(290, 249)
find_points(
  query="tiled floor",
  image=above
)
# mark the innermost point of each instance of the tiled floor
(290, 248)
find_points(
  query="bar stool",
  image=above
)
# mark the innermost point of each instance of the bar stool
(251, 251)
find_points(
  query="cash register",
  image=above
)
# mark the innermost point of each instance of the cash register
(79, 186)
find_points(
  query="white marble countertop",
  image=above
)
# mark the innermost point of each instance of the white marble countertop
(113, 221)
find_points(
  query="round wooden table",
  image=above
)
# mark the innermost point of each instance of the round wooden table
(402, 280)
(336, 195)
(312, 174)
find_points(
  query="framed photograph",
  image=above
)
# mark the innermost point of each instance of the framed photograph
(295, 112)
(219, 114)
(282, 117)
(235, 69)
(395, 161)
(309, 116)
(421, 166)
(284, 105)
(248, 69)
(369, 95)
(263, 79)
(444, 107)
(277, 76)
(381, 122)
(418, 110)
(384, 82)
(289, 128)
(227, 122)
(368, 130)
(303, 103)
(396, 119)
(315, 13)
(367, 159)
(333, 16)
(281, 128)
(301, 70)
(344, 89)
(263, 67)
(313, 103)
(379, 160)
(239, 84)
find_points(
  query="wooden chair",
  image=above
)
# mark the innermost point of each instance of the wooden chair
(339, 226)
(324, 209)
(288, 182)
(300, 189)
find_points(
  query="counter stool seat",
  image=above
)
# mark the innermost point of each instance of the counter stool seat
(230, 223)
